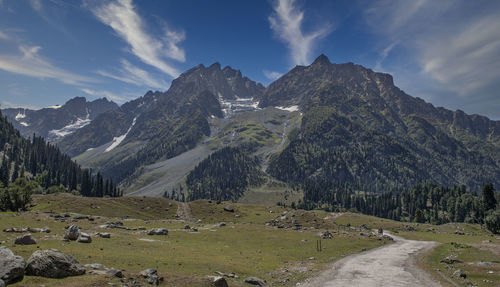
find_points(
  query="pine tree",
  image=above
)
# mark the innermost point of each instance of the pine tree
(488, 197)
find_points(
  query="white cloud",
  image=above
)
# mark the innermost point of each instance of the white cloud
(455, 46)
(286, 22)
(3, 36)
(30, 63)
(109, 95)
(126, 22)
(272, 75)
(36, 5)
(136, 76)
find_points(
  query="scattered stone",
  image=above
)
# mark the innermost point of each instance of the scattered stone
(229, 275)
(229, 208)
(111, 271)
(222, 224)
(255, 281)
(459, 274)
(104, 234)
(485, 264)
(151, 276)
(325, 235)
(95, 266)
(52, 263)
(194, 229)
(387, 237)
(26, 239)
(217, 281)
(459, 232)
(84, 238)
(11, 266)
(158, 231)
(187, 227)
(72, 233)
(487, 241)
(450, 260)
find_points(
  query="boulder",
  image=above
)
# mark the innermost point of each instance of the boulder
(11, 266)
(255, 281)
(459, 274)
(104, 234)
(450, 260)
(158, 231)
(25, 239)
(229, 208)
(95, 266)
(151, 276)
(2, 284)
(84, 238)
(217, 281)
(325, 235)
(111, 271)
(53, 263)
(222, 224)
(72, 233)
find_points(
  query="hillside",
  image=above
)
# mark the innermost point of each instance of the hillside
(56, 122)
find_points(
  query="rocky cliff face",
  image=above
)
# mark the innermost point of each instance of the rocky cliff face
(56, 122)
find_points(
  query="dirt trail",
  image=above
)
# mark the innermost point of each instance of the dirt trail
(184, 212)
(391, 265)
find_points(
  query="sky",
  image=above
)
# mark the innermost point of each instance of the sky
(446, 52)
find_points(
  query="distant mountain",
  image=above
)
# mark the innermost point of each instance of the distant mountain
(161, 125)
(361, 131)
(316, 129)
(56, 122)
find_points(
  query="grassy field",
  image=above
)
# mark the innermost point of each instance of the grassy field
(245, 246)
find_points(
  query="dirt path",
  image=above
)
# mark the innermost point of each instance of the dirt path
(391, 265)
(184, 212)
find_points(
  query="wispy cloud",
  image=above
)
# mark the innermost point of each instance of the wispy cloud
(134, 75)
(286, 22)
(3, 36)
(30, 63)
(36, 5)
(123, 18)
(272, 75)
(455, 44)
(109, 95)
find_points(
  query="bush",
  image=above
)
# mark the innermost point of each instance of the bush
(492, 221)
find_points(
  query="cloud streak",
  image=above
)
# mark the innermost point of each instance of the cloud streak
(122, 17)
(286, 22)
(272, 75)
(454, 44)
(30, 63)
(134, 75)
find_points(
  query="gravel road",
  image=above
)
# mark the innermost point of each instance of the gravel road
(391, 265)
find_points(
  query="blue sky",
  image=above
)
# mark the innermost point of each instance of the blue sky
(446, 52)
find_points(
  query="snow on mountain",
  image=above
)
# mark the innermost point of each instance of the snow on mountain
(118, 140)
(290, 108)
(68, 129)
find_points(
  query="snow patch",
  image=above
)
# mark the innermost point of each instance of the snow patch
(289, 109)
(90, 148)
(24, 124)
(230, 107)
(54, 107)
(69, 129)
(118, 140)
(20, 116)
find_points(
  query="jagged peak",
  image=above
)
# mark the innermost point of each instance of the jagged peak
(215, 65)
(321, 59)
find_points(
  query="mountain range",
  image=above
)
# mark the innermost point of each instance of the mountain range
(317, 128)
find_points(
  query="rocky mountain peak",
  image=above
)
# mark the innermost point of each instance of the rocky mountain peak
(321, 60)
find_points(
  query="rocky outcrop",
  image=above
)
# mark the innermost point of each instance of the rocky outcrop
(158, 231)
(84, 238)
(26, 239)
(11, 266)
(72, 233)
(256, 281)
(53, 263)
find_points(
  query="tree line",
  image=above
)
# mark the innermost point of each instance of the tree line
(36, 165)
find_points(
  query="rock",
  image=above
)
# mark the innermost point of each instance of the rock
(459, 274)
(187, 227)
(158, 231)
(152, 276)
(72, 233)
(84, 238)
(104, 234)
(95, 266)
(217, 281)
(53, 263)
(11, 266)
(325, 235)
(255, 281)
(111, 271)
(485, 264)
(228, 208)
(459, 232)
(387, 237)
(450, 260)
(222, 224)
(194, 229)
(26, 239)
